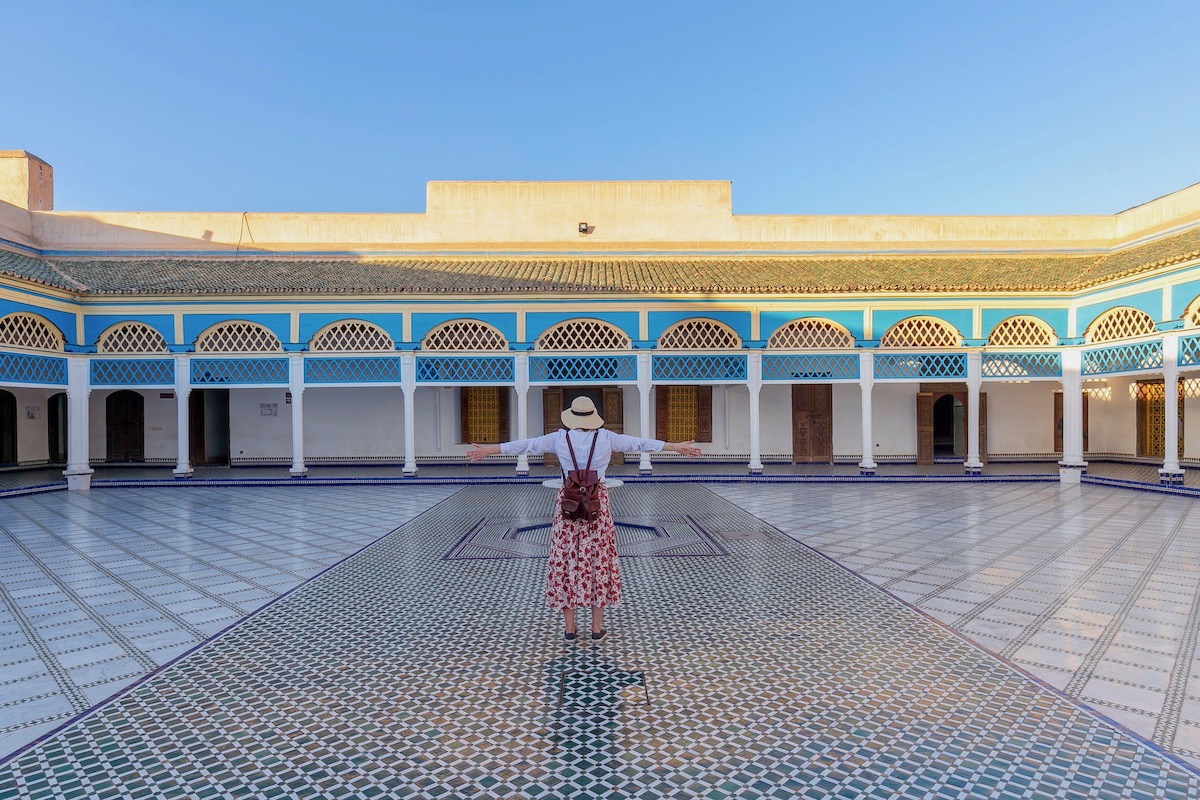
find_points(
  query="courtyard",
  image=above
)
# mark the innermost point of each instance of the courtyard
(1009, 638)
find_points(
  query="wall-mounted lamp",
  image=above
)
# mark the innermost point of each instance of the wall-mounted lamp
(583, 228)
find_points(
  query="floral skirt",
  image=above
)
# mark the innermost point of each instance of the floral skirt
(584, 570)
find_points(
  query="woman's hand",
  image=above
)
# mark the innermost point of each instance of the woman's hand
(687, 448)
(482, 451)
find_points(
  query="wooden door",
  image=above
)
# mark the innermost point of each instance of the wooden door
(812, 423)
(8, 429)
(924, 427)
(1152, 419)
(1058, 421)
(983, 427)
(613, 411)
(56, 427)
(208, 426)
(682, 413)
(125, 424)
(483, 412)
(552, 408)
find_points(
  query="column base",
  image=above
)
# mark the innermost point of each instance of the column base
(1070, 473)
(78, 480)
(974, 470)
(182, 472)
(756, 469)
(867, 469)
(410, 473)
(298, 472)
(1170, 477)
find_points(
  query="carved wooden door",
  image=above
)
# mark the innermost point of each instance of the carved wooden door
(812, 423)
(925, 427)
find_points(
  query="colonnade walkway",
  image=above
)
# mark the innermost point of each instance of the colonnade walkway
(854, 639)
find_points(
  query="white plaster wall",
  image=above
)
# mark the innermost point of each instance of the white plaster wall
(33, 443)
(354, 422)
(1020, 417)
(1112, 417)
(847, 421)
(894, 421)
(252, 435)
(1191, 427)
(160, 425)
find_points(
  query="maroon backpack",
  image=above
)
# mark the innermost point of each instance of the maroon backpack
(580, 493)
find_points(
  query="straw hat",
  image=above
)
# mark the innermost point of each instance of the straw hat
(581, 414)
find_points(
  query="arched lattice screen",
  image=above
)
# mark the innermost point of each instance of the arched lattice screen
(131, 337)
(1192, 315)
(353, 336)
(238, 337)
(699, 334)
(30, 331)
(1119, 323)
(810, 334)
(1022, 332)
(583, 334)
(921, 332)
(464, 334)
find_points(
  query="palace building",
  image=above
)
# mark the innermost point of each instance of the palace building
(188, 339)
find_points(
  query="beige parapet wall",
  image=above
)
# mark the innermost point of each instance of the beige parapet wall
(621, 216)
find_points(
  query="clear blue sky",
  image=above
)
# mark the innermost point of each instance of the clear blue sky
(809, 108)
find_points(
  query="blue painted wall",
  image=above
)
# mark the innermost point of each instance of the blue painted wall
(60, 319)
(196, 324)
(659, 321)
(423, 323)
(1056, 317)
(96, 324)
(771, 321)
(538, 322)
(1182, 296)
(1150, 302)
(960, 318)
(311, 323)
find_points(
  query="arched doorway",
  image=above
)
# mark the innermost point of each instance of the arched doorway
(125, 421)
(56, 427)
(949, 427)
(8, 429)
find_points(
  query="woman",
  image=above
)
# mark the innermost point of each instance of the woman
(584, 570)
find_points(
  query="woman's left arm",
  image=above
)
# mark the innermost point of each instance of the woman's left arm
(482, 451)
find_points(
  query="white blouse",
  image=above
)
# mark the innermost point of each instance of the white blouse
(606, 444)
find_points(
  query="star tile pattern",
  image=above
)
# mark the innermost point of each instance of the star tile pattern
(1095, 590)
(771, 672)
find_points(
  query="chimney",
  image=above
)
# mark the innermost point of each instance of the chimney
(26, 181)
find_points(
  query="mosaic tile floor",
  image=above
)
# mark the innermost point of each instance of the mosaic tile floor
(770, 672)
(98, 589)
(1095, 590)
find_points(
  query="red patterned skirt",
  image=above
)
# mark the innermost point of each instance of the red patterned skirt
(584, 570)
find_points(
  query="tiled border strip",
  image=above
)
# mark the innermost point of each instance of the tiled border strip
(1075, 701)
(126, 690)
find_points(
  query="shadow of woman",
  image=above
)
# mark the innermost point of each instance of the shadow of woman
(586, 694)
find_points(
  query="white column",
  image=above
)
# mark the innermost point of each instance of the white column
(522, 387)
(408, 383)
(78, 471)
(183, 391)
(1171, 472)
(974, 381)
(645, 382)
(866, 382)
(754, 384)
(1072, 465)
(296, 386)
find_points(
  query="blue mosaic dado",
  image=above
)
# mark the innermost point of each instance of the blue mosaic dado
(352, 369)
(570, 369)
(1022, 365)
(25, 368)
(918, 366)
(466, 369)
(699, 368)
(133, 372)
(267, 371)
(1143, 356)
(770, 672)
(836, 366)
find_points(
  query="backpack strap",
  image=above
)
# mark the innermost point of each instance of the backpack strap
(591, 451)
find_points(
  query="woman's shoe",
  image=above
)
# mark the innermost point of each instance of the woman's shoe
(600, 634)
(570, 636)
